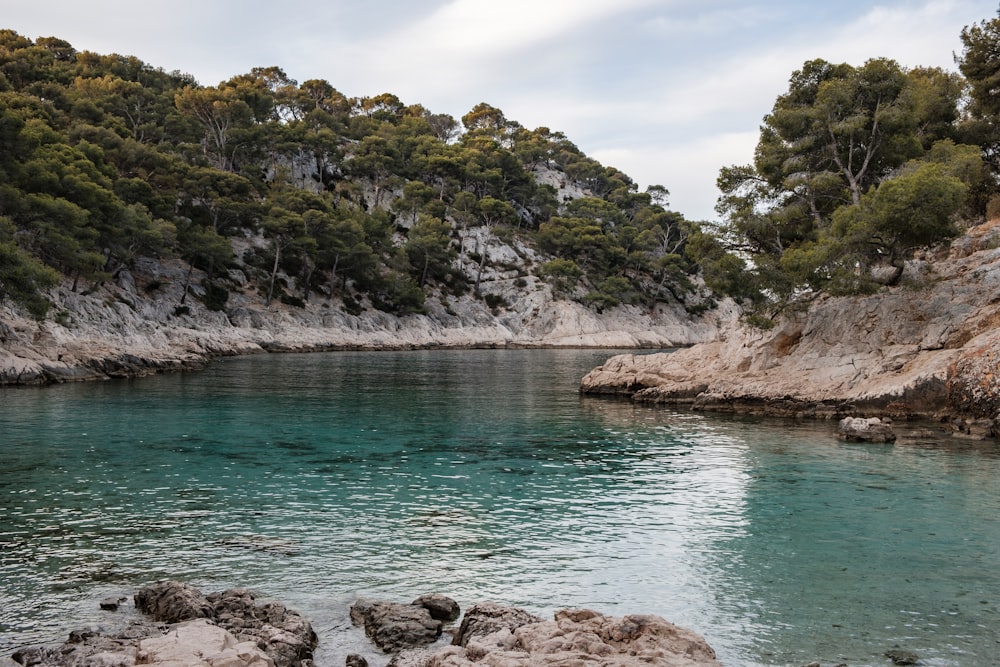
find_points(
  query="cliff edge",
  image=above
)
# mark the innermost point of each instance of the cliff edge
(140, 324)
(925, 349)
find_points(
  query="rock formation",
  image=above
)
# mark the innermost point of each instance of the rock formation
(860, 429)
(229, 629)
(128, 328)
(500, 636)
(926, 348)
(393, 626)
(189, 629)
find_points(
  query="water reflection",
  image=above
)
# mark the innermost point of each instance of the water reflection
(484, 475)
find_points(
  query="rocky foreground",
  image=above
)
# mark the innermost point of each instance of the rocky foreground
(928, 348)
(230, 629)
(141, 323)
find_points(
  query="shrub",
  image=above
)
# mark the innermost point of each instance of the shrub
(290, 300)
(216, 296)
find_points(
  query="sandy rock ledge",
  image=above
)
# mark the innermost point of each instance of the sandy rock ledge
(927, 349)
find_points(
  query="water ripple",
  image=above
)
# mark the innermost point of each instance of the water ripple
(484, 476)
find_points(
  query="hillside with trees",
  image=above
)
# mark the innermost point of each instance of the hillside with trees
(143, 190)
(298, 192)
(857, 168)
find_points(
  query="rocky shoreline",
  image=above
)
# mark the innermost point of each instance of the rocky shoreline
(927, 349)
(141, 324)
(185, 628)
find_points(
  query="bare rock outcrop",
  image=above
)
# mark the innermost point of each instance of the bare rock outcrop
(927, 348)
(173, 602)
(198, 643)
(509, 637)
(189, 629)
(394, 627)
(137, 326)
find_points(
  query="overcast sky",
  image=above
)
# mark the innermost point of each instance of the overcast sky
(668, 91)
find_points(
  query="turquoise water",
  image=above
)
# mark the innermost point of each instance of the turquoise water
(484, 475)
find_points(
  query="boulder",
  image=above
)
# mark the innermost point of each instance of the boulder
(488, 618)
(393, 626)
(227, 629)
(860, 429)
(441, 607)
(284, 635)
(199, 643)
(173, 602)
(576, 637)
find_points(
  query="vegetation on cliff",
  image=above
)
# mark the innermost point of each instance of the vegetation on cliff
(855, 168)
(297, 191)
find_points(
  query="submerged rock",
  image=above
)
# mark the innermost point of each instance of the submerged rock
(901, 657)
(112, 603)
(859, 429)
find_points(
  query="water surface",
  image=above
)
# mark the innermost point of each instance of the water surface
(483, 475)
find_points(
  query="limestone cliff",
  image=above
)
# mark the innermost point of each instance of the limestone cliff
(137, 325)
(927, 348)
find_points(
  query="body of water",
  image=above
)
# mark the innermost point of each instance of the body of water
(483, 475)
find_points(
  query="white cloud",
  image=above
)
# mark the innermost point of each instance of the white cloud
(667, 90)
(687, 169)
(476, 29)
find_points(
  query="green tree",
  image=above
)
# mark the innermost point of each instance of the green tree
(428, 247)
(909, 211)
(980, 63)
(201, 248)
(23, 279)
(217, 110)
(834, 183)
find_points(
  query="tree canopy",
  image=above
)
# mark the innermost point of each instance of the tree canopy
(855, 168)
(372, 202)
(360, 202)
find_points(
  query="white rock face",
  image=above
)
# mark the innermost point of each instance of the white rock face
(132, 329)
(199, 643)
(926, 348)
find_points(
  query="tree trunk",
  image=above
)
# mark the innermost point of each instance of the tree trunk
(187, 283)
(274, 274)
(306, 284)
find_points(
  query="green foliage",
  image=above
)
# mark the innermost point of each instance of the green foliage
(105, 159)
(23, 279)
(855, 169)
(562, 273)
(612, 292)
(352, 307)
(216, 295)
(495, 302)
(428, 248)
(980, 63)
